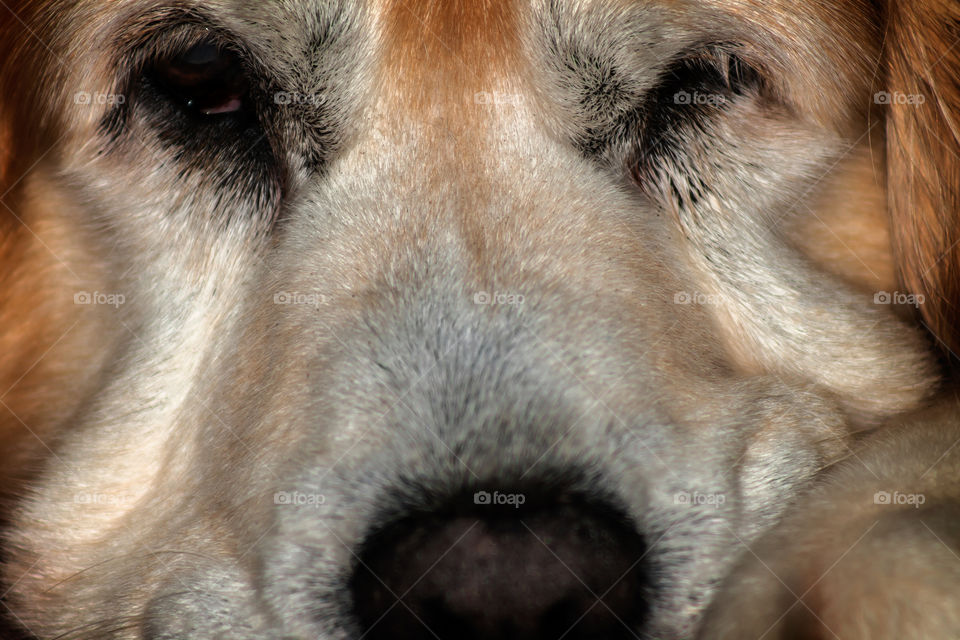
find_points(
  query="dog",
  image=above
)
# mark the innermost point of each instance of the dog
(479, 319)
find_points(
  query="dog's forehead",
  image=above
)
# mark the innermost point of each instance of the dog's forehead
(432, 51)
(449, 44)
(437, 50)
(481, 35)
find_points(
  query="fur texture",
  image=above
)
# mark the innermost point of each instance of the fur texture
(639, 253)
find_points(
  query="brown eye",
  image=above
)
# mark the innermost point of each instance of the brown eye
(206, 78)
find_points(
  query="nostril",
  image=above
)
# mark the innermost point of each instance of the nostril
(547, 570)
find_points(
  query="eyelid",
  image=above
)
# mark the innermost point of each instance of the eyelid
(202, 54)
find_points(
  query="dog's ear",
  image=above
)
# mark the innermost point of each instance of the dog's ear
(9, 95)
(6, 140)
(5, 150)
(26, 63)
(922, 96)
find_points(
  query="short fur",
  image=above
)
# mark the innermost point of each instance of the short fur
(641, 251)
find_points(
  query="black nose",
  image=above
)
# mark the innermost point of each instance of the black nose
(543, 570)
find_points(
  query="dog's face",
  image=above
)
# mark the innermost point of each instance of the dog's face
(350, 274)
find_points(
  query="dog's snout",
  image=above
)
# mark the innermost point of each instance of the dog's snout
(546, 571)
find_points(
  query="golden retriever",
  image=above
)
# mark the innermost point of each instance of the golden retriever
(410, 319)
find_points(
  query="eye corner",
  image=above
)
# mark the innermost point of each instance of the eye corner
(710, 75)
(700, 84)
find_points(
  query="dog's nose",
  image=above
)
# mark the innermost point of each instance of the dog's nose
(545, 571)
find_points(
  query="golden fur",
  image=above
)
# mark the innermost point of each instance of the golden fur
(712, 315)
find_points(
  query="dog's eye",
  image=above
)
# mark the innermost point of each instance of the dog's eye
(206, 78)
(696, 88)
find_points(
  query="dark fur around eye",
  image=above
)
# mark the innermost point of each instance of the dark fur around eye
(691, 91)
(196, 96)
(700, 83)
(190, 80)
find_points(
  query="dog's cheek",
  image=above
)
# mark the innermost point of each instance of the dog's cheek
(775, 311)
(844, 229)
(54, 340)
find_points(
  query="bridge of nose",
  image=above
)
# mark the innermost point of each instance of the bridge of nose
(467, 175)
(442, 68)
(438, 52)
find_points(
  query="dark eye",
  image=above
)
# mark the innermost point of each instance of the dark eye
(697, 87)
(206, 78)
